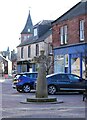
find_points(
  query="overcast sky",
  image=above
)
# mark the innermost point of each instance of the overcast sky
(14, 13)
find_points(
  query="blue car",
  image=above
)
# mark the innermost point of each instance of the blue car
(24, 82)
(65, 82)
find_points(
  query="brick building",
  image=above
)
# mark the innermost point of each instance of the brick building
(69, 34)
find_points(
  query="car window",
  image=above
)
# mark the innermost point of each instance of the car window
(32, 75)
(73, 78)
(63, 77)
(53, 78)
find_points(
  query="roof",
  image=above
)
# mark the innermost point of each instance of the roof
(28, 25)
(32, 41)
(77, 10)
(43, 22)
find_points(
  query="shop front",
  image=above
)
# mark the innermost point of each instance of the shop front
(71, 59)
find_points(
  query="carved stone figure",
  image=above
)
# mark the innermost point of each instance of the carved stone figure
(41, 87)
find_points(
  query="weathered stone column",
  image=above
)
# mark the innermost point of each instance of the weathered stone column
(41, 87)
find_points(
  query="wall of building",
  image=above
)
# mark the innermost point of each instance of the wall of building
(73, 30)
(42, 46)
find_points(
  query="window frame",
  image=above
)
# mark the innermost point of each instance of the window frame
(22, 52)
(37, 49)
(35, 31)
(64, 34)
(81, 29)
(29, 51)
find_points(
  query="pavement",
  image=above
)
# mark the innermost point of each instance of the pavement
(72, 108)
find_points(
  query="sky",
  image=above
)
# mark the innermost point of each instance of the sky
(14, 13)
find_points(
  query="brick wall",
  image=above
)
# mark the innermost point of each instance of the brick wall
(73, 30)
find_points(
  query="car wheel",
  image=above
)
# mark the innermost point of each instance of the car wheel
(51, 89)
(26, 88)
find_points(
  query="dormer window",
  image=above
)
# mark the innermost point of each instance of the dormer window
(28, 30)
(35, 32)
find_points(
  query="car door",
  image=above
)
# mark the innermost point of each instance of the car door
(63, 82)
(76, 82)
(52, 80)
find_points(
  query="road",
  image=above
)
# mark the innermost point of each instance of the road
(11, 106)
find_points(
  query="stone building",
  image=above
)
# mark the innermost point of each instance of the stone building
(34, 38)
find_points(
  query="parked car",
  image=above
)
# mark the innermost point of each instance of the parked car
(24, 82)
(65, 82)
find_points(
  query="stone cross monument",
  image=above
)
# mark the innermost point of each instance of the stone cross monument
(41, 87)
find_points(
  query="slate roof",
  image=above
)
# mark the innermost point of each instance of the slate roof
(32, 41)
(28, 25)
(77, 10)
(43, 22)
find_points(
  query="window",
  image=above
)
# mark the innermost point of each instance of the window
(28, 30)
(28, 36)
(25, 37)
(81, 30)
(63, 34)
(63, 78)
(37, 50)
(22, 52)
(73, 78)
(35, 32)
(29, 51)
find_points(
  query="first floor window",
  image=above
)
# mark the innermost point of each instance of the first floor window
(22, 52)
(29, 51)
(37, 49)
(63, 34)
(81, 30)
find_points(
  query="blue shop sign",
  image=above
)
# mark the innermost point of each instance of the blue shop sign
(74, 50)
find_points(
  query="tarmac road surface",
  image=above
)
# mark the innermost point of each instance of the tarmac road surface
(72, 106)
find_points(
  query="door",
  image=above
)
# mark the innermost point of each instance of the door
(63, 82)
(76, 82)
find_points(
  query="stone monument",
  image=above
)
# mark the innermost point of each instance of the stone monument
(41, 87)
